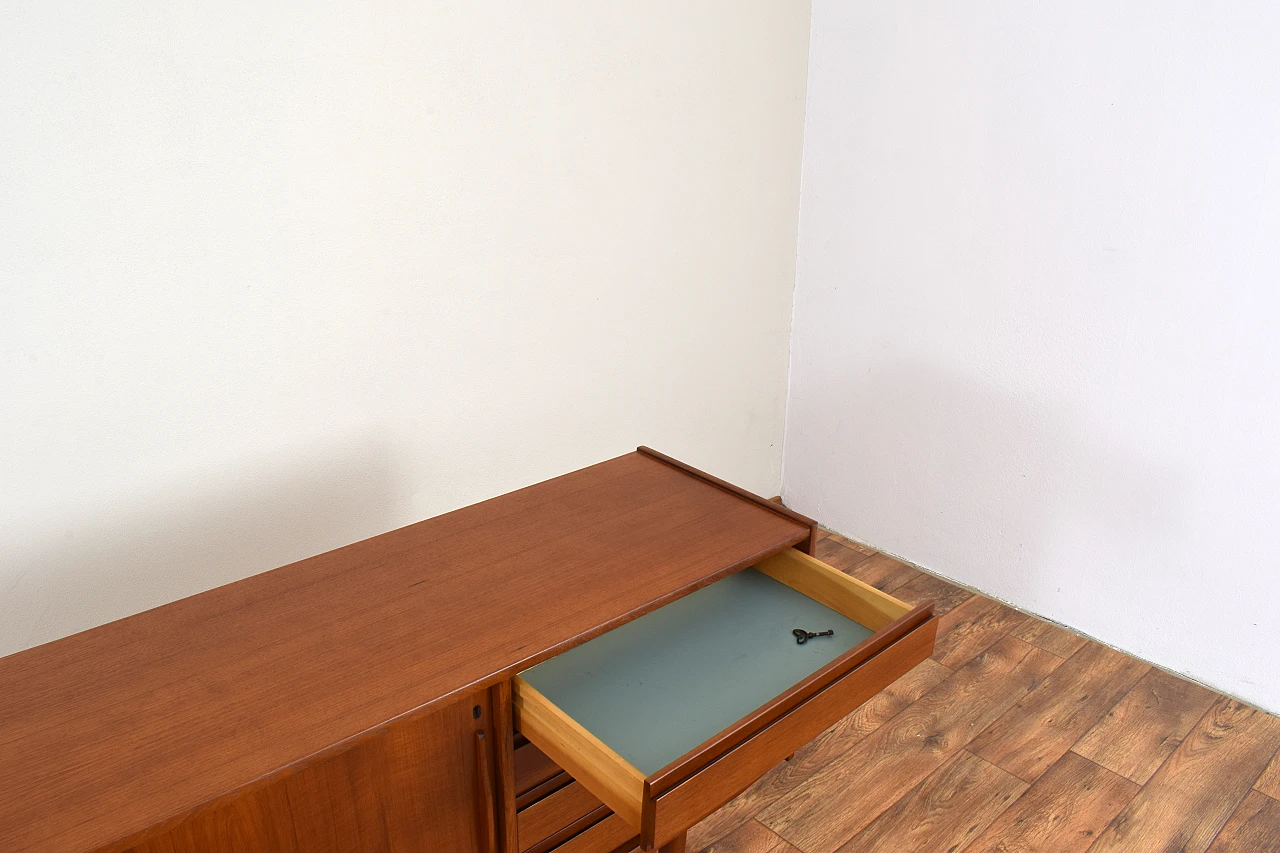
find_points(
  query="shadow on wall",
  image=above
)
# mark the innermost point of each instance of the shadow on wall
(119, 560)
(972, 480)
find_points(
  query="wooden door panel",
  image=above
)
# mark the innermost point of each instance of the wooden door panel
(412, 788)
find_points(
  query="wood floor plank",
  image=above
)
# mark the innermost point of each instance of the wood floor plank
(1269, 781)
(843, 797)
(838, 556)
(883, 572)
(1044, 724)
(836, 539)
(1136, 736)
(1050, 637)
(952, 805)
(945, 596)
(924, 765)
(751, 837)
(1063, 812)
(1196, 790)
(829, 745)
(1254, 827)
(971, 628)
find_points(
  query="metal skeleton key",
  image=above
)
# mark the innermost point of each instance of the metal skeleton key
(803, 636)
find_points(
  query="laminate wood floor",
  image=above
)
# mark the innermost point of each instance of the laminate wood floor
(1016, 736)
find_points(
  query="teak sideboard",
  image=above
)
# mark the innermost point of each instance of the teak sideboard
(588, 665)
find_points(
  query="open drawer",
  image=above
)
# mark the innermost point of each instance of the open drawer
(673, 714)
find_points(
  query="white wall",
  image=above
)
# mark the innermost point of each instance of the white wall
(278, 276)
(1037, 320)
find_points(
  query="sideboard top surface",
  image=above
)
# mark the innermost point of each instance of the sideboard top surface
(140, 722)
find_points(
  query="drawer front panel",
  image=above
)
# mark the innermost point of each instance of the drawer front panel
(663, 801)
(608, 835)
(553, 813)
(532, 768)
(700, 795)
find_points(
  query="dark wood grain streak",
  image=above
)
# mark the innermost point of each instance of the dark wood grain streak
(128, 729)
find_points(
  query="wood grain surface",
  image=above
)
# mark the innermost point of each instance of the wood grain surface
(1043, 725)
(1142, 730)
(1269, 781)
(833, 742)
(551, 814)
(1063, 812)
(942, 812)
(973, 627)
(1254, 827)
(1169, 766)
(751, 837)
(110, 733)
(919, 740)
(413, 788)
(1195, 791)
(691, 801)
(1050, 637)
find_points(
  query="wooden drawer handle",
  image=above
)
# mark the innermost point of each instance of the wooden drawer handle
(484, 778)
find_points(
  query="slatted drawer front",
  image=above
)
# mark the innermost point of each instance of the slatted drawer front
(541, 820)
(671, 715)
(555, 814)
(607, 835)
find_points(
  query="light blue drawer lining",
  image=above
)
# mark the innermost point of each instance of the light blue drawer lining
(662, 684)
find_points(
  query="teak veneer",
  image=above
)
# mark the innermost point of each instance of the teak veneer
(327, 707)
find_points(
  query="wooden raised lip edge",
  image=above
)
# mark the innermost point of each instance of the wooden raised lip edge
(808, 536)
(773, 506)
(711, 750)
